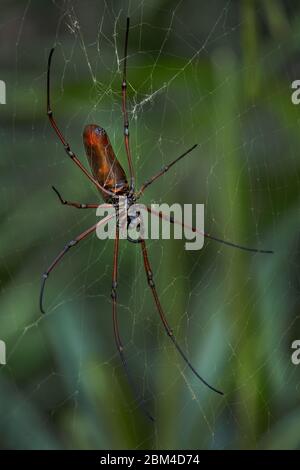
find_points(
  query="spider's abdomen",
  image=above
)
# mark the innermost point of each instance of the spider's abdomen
(103, 162)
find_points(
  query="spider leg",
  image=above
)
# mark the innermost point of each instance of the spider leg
(163, 171)
(118, 340)
(78, 205)
(124, 110)
(67, 247)
(59, 134)
(207, 235)
(164, 320)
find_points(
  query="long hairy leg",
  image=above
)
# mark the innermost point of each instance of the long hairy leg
(163, 171)
(165, 323)
(65, 250)
(208, 235)
(117, 336)
(59, 134)
(124, 109)
(78, 205)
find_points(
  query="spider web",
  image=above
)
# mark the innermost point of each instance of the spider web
(218, 75)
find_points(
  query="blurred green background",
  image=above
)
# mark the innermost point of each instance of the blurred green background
(218, 73)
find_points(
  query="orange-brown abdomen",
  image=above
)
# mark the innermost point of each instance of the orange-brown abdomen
(103, 162)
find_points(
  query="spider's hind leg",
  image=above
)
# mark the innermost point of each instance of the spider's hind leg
(165, 323)
(117, 336)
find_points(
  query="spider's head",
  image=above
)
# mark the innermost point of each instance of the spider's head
(94, 135)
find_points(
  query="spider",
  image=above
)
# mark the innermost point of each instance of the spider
(110, 179)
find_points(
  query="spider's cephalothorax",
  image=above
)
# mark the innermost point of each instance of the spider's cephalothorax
(105, 167)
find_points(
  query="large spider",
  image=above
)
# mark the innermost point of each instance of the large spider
(110, 179)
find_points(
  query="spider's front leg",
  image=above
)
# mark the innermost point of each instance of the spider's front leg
(125, 112)
(62, 139)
